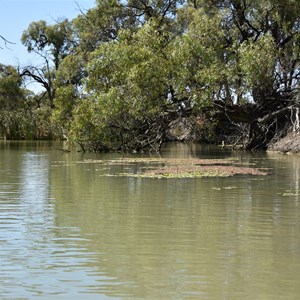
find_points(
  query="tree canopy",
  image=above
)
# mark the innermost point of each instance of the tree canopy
(120, 73)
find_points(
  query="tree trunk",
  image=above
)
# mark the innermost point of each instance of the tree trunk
(265, 122)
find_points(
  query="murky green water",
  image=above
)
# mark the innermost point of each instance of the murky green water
(66, 232)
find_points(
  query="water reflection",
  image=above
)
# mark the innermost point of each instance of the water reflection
(34, 189)
(37, 258)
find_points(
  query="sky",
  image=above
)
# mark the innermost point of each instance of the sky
(16, 15)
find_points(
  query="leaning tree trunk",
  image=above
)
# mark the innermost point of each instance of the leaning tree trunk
(267, 120)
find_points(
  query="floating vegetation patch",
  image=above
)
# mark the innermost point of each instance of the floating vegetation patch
(197, 172)
(224, 188)
(180, 168)
(291, 193)
(158, 160)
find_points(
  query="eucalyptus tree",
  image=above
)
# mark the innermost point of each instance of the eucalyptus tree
(52, 44)
(12, 102)
(130, 79)
(91, 29)
(110, 25)
(10, 87)
(10, 98)
(262, 50)
(258, 56)
(22, 115)
(121, 72)
(102, 23)
(124, 79)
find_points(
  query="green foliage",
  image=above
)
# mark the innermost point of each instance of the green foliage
(52, 44)
(122, 66)
(43, 38)
(72, 70)
(10, 87)
(61, 117)
(201, 52)
(198, 57)
(20, 115)
(257, 62)
(131, 73)
(102, 24)
(87, 126)
(10, 99)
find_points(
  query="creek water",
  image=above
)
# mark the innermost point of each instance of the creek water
(68, 232)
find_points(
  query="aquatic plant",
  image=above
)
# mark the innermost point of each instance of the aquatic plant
(150, 167)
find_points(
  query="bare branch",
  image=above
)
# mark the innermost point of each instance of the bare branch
(5, 42)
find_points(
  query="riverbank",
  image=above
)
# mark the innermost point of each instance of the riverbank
(288, 144)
